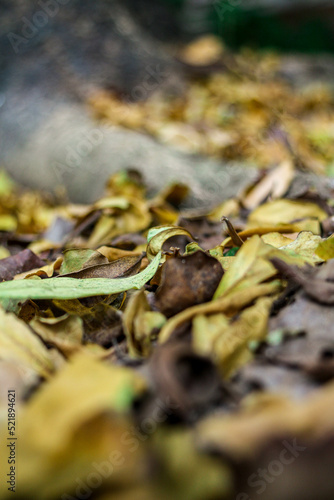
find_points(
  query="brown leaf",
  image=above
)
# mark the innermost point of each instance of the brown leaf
(318, 285)
(263, 376)
(186, 281)
(313, 350)
(102, 325)
(123, 267)
(189, 381)
(20, 263)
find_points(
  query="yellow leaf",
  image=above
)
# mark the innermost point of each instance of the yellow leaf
(4, 252)
(325, 249)
(285, 211)
(230, 304)
(264, 417)
(225, 341)
(231, 349)
(19, 344)
(139, 322)
(158, 235)
(70, 424)
(205, 330)
(305, 245)
(8, 223)
(248, 262)
(65, 332)
(276, 239)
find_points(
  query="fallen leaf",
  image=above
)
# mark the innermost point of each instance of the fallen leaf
(20, 345)
(230, 305)
(22, 262)
(325, 249)
(230, 342)
(275, 184)
(305, 245)
(318, 285)
(140, 323)
(186, 281)
(187, 380)
(120, 268)
(285, 211)
(69, 426)
(71, 288)
(157, 236)
(64, 333)
(75, 259)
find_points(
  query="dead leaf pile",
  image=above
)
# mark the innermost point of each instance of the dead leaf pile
(241, 108)
(162, 353)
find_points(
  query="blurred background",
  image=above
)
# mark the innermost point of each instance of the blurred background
(302, 25)
(201, 77)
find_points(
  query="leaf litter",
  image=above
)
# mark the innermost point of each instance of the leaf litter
(158, 353)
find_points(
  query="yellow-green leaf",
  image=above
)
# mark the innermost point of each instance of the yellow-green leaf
(72, 288)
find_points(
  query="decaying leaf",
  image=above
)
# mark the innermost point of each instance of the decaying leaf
(265, 416)
(16, 264)
(140, 324)
(72, 424)
(65, 333)
(275, 184)
(157, 237)
(19, 344)
(228, 342)
(287, 211)
(318, 285)
(187, 380)
(186, 281)
(76, 259)
(120, 268)
(325, 249)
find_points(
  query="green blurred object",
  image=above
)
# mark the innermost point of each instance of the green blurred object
(288, 25)
(6, 183)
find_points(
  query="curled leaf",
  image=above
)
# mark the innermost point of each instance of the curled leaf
(158, 235)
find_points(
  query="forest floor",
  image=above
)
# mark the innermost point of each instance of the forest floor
(147, 351)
